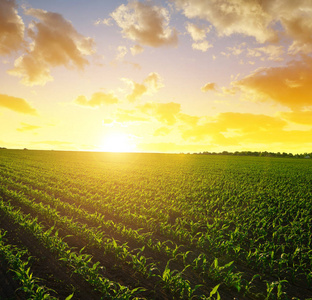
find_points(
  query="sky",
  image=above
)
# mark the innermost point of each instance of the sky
(156, 76)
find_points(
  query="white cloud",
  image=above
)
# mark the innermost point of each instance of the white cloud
(136, 49)
(202, 46)
(271, 52)
(197, 33)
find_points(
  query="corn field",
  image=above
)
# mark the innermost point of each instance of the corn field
(83, 225)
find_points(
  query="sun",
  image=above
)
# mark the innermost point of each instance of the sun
(117, 142)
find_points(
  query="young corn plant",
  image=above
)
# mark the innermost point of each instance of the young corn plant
(173, 281)
(30, 285)
(80, 263)
(276, 286)
(139, 263)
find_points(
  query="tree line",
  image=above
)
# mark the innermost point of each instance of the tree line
(257, 153)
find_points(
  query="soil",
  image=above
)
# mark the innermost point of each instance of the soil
(63, 282)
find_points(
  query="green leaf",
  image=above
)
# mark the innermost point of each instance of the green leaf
(214, 290)
(69, 297)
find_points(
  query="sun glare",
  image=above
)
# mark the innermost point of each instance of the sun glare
(117, 142)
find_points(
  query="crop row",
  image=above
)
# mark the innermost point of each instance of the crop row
(285, 259)
(80, 263)
(19, 262)
(242, 222)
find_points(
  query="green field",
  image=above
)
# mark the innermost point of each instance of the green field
(154, 226)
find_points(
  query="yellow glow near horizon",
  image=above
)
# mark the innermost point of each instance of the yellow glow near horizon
(148, 90)
(117, 142)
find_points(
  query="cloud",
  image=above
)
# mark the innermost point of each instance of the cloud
(272, 52)
(198, 35)
(229, 91)
(122, 51)
(17, 104)
(55, 42)
(27, 127)
(145, 24)
(232, 129)
(125, 115)
(299, 117)
(202, 46)
(107, 22)
(288, 85)
(237, 50)
(97, 99)
(134, 65)
(138, 90)
(187, 119)
(162, 131)
(228, 17)
(151, 84)
(257, 18)
(11, 28)
(166, 113)
(154, 81)
(210, 86)
(136, 49)
(296, 18)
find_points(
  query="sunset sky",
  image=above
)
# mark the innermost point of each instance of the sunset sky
(156, 76)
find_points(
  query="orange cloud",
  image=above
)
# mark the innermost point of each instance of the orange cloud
(27, 127)
(125, 115)
(246, 129)
(11, 28)
(152, 83)
(299, 117)
(210, 86)
(17, 104)
(138, 90)
(145, 24)
(189, 120)
(97, 100)
(235, 128)
(166, 113)
(55, 42)
(229, 91)
(298, 25)
(289, 85)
